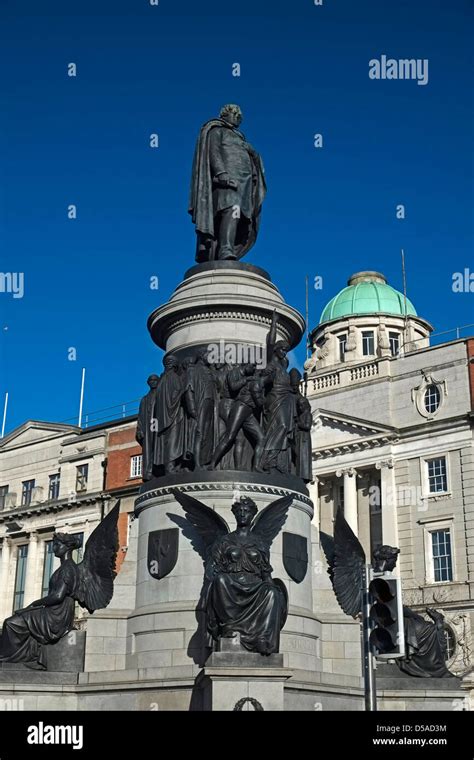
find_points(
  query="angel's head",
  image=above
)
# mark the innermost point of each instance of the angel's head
(244, 511)
(65, 542)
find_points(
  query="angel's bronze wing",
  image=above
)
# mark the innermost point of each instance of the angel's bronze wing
(208, 524)
(270, 520)
(96, 572)
(346, 560)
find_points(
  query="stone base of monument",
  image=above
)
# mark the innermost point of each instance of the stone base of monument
(65, 656)
(240, 680)
(167, 626)
(399, 691)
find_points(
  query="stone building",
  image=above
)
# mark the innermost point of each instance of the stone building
(393, 445)
(57, 477)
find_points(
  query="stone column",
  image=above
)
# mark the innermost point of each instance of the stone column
(350, 497)
(388, 502)
(5, 608)
(31, 570)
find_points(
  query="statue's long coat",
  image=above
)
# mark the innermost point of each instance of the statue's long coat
(203, 205)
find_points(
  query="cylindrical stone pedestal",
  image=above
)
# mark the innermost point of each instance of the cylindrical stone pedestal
(223, 304)
(167, 628)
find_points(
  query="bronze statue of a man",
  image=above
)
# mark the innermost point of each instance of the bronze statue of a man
(227, 189)
(145, 435)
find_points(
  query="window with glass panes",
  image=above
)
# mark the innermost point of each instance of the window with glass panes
(3, 494)
(442, 558)
(437, 475)
(368, 343)
(394, 339)
(26, 492)
(342, 346)
(53, 491)
(20, 577)
(48, 565)
(450, 642)
(136, 466)
(432, 398)
(82, 473)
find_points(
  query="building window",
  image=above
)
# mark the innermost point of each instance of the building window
(368, 344)
(394, 339)
(79, 552)
(432, 398)
(442, 558)
(53, 492)
(342, 346)
(437, 475)
(450, 639)
(3, 496)
(20, 577)
(26, 492)
(47, 566)
(136, 466)
(82, 473)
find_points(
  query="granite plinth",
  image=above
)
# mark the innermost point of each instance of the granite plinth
(241, 266)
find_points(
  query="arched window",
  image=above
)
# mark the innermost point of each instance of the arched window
(450, 642)
(432, 398)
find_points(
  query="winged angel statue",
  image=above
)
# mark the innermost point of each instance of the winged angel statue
(425, 641)
(89, 582)
(239, 595)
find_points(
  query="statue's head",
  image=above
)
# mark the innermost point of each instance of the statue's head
(281, 348)
(65, 542)
(202, 355)
(249, 369)
(170, 362)
(232, 114)
(153, 381)
(295, 379)
(302, 404)
(244, 511)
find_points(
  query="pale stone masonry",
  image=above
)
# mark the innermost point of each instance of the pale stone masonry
(36, 452)
(381, 422)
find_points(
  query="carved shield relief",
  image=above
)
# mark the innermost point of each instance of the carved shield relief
(162, 551)
(295, 556)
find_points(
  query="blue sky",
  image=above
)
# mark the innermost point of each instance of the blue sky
(168, 68)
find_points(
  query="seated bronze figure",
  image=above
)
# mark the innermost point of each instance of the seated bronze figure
(26, 633)
(240, 596)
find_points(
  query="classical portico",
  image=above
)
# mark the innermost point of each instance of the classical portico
(353, 466)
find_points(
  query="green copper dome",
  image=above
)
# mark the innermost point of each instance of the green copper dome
(367, 293)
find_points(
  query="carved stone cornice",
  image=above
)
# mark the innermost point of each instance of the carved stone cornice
(196, 488)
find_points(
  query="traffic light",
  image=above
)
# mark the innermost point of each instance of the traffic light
(386, 616)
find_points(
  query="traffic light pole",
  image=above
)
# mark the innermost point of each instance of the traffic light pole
(369, 659)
